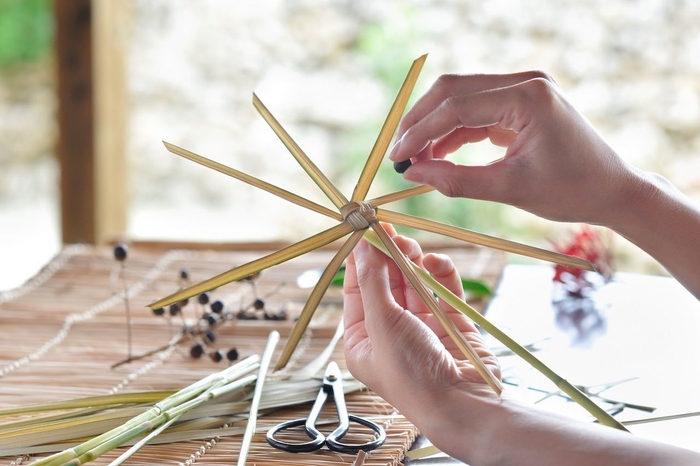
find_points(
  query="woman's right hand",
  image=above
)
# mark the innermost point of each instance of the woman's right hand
(555, 166)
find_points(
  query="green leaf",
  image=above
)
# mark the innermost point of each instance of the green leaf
(476, 288)
(339, 277)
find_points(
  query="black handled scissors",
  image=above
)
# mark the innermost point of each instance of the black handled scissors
(332, 384)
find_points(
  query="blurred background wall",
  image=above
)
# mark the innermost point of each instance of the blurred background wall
(329, 70)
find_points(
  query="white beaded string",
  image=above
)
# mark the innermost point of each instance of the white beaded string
(95, 310)
(20, 460)
(47, 272)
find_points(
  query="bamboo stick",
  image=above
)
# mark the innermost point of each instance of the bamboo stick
(387, 131)
(457, 337)
(399, 195)
(251, 180)
(575, 394)
(302, 247)
(315, 297)
(255, 403)
(336, 197)
(481, 239)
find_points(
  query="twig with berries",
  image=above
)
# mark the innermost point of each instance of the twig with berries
(121, 251)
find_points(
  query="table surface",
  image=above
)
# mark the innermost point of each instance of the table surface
(642, 328)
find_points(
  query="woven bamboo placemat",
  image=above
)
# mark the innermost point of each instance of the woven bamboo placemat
(64, 329)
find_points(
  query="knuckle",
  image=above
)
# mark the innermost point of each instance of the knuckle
(543, 75)
(453, 105)
(541, 92)
(446, 81)
(447, 85)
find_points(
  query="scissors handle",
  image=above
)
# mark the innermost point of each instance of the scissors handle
(333, 439)
(318, 440)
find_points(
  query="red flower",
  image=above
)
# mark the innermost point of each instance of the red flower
(587, 244)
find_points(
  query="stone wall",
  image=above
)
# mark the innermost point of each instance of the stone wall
(329, 71)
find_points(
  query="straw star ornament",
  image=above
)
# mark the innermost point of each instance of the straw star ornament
(357, 217)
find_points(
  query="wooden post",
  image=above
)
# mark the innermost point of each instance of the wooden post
(75, 119)
(110, 106)
(91, 114)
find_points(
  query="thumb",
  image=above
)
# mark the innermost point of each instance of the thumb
(484, 182)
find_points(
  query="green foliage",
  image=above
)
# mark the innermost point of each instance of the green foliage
(386, 45)
(26, 30)
(476, 288)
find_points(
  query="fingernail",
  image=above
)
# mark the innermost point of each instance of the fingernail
(394, 149)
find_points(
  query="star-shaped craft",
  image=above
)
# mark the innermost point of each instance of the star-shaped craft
(355, 217)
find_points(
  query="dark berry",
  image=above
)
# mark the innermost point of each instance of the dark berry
(210, 336)
(282, 314)
(203, 298)
(174, 309)
(159, 311)
(217, 307)
(120, 252)
(216, 356)
(184, 273)
(197, 350)
(267, 316)
(401, 167)
(212, 319)
(184, 302)
(259, 304)
(232, 354)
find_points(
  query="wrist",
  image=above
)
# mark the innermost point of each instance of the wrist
(637, 197)
(481, 429)
(465, 424)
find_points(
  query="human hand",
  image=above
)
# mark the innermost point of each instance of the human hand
(555, 165)
(396, 347)
(393, 343)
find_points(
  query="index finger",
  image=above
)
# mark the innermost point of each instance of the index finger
(510, 108)
(453, 85)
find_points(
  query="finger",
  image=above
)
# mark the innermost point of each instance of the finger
(489, 182)
(453, 141)
(456, 139)
(451, 85)
(444, 271)
(510, 108)
(389, 228)
(454, 84)
(412, 250)
(375, 289)
(354, 312)
(398, 284)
